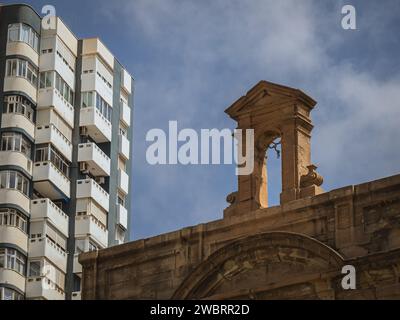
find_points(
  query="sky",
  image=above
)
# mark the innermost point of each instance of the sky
(192, 59)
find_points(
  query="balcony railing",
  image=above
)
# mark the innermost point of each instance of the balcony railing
(13, 278)
(43, 288)
(97, 126)
(14, 235)
(124, 146)
(123, 181)
(122, 216)
(97, 162)
(125, 114)
(44, 247)
(50, 97)
(16, 158)
(77, 266)
(46, 209)
(50, 134)
(15, 197)
(88, 225)
(88, 188)
(16, 120)
(50, 181)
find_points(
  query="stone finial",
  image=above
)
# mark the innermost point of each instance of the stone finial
(311, 178)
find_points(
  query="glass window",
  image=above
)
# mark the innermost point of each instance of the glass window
(21, 68)
(63, 88)
(34, 268)
(20, 105)
(10, 180)
(24, 33)
(13, 32)
(12, 141)
(48, 153)
(2, 257)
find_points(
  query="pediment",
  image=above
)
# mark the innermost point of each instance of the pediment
(267, 94)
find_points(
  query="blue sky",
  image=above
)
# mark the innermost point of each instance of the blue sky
(192, 59)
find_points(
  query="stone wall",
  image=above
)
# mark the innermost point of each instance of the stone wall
(295, 250)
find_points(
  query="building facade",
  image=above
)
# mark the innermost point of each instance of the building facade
(65, 140)
(296, 250)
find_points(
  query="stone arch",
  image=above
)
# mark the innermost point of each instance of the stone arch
(265, 265)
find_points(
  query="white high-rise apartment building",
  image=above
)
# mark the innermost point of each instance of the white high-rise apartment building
(65, 136)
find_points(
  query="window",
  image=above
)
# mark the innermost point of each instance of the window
(21, 68)
(12, 259)
(20, 105)
(104, 108)
(121, 200)
(104, 80)
(12, 141)
(48, 153)
(13, 218)
(14, 180)
(63, 88)
(9, 294)
(46, 79)
(87, 99)
(24, 33)
(34, 268)
(123, 131)
(44, 51)
(101, 105)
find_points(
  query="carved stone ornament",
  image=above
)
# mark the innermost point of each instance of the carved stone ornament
(311, 178)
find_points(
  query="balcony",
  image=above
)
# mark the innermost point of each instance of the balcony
(15, 197)
(52, 98)
(15, 120)
(15, 158)
(46, 209)
(13, 278)
(123, 181)
(43, 288)
(125, 114)
(50, 182)
(126, 81)
(93, 82)
(97, 126)
(50, 134)
(122, 216)
(76, 295)
(89, 226)
(77, 268)
(52, 61)
(97, 162)
(22, 49)
(44, 247)
(20, 84)
(88, 188)
(14, 235)
(124, 146)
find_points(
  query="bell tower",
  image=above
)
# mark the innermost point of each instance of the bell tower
(275, 112)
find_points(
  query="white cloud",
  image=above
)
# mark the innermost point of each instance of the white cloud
(208, 53)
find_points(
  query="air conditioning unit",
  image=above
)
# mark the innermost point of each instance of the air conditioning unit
(83, 166)
(100, 180)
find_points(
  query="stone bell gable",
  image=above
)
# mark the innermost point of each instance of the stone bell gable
(274, 111)
(292, 251)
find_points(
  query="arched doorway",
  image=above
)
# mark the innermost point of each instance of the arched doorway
(271, 265)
